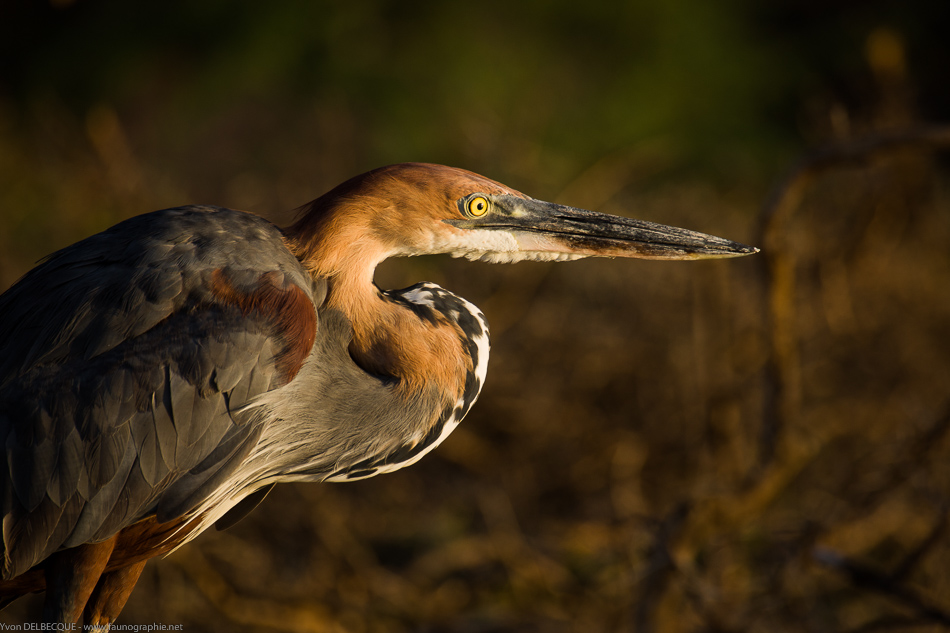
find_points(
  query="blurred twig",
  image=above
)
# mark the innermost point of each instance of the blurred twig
(911, 561)
(885, 584)
(782, 379)
(660, 568)
(891, 623)
(892, 585)
(786, 197)
(920, 447)
(249, 610)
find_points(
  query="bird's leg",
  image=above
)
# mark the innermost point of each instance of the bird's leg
(110, 595)
(71, 575)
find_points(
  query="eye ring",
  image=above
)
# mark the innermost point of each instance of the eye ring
(478, 206)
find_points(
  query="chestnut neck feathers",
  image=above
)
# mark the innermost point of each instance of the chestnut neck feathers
(343, 235)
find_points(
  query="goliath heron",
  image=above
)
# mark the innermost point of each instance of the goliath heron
(161, 376)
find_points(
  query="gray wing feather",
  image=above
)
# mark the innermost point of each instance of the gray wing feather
(152, 463)
(64, 480)
(122, 374)
(207, 476)
(100, 506)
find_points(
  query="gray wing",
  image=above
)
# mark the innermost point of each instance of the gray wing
(124, 362)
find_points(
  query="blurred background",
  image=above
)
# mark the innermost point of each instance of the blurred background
(743, 445)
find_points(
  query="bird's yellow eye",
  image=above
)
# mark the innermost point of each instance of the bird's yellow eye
(477, 206)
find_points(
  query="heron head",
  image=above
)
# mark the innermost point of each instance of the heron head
(418, 209)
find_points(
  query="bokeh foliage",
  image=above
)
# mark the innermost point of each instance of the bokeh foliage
(756, 445)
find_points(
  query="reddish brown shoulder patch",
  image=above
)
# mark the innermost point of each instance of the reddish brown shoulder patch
(286, 305)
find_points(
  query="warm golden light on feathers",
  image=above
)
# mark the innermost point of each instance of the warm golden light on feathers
(196, 356)
(343, 235)
(387, 212)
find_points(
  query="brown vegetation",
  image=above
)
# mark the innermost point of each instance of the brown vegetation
(759, 444)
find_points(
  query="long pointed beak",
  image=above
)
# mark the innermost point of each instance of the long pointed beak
(545, 227)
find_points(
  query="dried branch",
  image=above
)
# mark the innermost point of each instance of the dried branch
(891, 623)
(911, 561)
(660, 568)
(252, 610)
(921, 448)
(786, 196)
(782, 380)
(887, 585)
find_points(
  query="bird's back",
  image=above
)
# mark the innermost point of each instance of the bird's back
(126, 359)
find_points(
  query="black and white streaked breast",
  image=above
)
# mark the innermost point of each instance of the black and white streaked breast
(432, 303)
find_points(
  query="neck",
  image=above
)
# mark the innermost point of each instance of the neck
(391, 340)
(388, 338)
